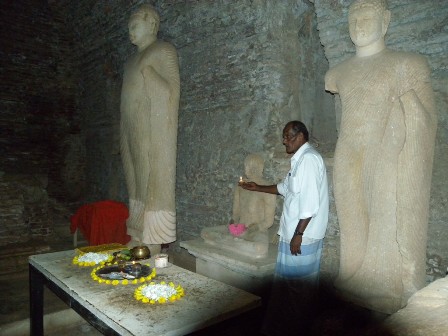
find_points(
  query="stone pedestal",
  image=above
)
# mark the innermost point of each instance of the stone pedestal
(425, 314)
(252, 275)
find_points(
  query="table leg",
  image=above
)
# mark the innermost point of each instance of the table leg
(36, 285)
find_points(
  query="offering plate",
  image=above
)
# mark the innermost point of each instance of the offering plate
(117, 272)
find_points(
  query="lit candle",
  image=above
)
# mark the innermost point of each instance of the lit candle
(241, 179)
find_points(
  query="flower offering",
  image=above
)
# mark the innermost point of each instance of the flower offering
(237, 229)
(92, 259)
(158, 292)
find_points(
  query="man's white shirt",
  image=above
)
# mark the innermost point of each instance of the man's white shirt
(305, 192)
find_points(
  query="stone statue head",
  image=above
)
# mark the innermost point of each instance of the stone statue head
(368, 21)
(253, 165)
(149, 16)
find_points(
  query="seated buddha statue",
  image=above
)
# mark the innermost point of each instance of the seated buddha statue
(255, 210)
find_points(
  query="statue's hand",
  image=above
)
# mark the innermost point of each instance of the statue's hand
(275, 239)
(148, 72)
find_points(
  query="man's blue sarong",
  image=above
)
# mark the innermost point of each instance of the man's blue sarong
(294, 294)
(304, 266)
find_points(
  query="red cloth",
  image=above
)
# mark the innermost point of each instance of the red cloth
(102, 222)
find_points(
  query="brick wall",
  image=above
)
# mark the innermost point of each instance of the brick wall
(37, 90)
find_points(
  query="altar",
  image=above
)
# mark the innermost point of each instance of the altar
(113, 310)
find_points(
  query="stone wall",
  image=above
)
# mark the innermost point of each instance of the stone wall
(100, 47)
(417, 26)
(37, 108)
(37, 89)
(241, 71)
(241, 81)
(247, 67)
(23, 208)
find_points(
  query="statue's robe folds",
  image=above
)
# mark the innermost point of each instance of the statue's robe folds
(382, 176)
(148, 130)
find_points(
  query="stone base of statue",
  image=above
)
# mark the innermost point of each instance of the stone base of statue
(253, 275)
(253, 243)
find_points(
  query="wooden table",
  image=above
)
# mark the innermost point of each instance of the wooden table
(113, 309)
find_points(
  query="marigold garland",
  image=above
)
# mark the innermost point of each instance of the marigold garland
(179, 292)
(122, 282)
(93, 263)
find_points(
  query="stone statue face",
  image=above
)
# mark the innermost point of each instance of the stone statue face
(143, 26)
(366, 26)
(138, 30)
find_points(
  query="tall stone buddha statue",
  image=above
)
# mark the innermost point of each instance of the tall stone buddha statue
(148, 131)
(255, 210)
(383, 164)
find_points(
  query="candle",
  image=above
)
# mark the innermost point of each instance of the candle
(161, 260)
(241, 180)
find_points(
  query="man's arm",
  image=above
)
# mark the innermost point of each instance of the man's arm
(252, 186)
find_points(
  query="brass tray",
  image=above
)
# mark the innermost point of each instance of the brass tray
(115, 272)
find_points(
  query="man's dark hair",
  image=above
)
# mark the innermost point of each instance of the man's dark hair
(298, 127)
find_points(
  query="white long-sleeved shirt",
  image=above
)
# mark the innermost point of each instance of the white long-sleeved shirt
(305, 192)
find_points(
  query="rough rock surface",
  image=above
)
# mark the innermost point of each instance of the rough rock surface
(426, 313)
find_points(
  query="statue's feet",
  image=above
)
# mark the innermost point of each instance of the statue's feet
(133, 242)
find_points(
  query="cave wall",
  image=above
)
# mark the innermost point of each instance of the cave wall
(241, 81)
(246, 68)
(37, 116)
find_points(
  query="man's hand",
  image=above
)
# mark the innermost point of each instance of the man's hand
(295, 244)
(252, 186)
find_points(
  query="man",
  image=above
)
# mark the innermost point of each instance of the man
(149, 118)
(383, 163)
(302, 228)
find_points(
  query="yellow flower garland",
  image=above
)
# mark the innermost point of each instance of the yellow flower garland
(138, 295)
(85, 263)
(122, 282)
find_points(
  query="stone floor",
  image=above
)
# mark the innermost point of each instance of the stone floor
(334, 318)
